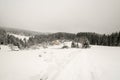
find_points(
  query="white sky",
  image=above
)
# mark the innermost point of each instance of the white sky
(101, 16)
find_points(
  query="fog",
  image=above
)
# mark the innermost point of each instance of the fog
(101, 16)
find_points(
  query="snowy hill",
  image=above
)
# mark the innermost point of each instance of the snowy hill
(21, 31)
(19, 36)
(53, 63)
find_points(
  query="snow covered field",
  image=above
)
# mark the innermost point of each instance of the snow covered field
(54, 63)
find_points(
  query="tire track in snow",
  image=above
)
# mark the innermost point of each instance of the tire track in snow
(53, 73)
(80, 68)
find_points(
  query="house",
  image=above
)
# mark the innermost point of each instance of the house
(55, 42)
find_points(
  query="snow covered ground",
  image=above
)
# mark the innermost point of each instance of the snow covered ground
(54, 63)
(19, 36)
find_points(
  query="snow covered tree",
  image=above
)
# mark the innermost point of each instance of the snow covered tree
(3, 36)
(85, 42)
(73, 45)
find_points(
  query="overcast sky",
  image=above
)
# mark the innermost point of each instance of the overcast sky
(101, 16)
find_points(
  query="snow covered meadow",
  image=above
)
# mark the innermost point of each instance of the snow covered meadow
(54, 63)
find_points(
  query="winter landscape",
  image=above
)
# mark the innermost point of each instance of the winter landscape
(59, 39)
(97, 63)
(60, 58)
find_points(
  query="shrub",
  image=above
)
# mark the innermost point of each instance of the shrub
(65, 47)
(85, 42)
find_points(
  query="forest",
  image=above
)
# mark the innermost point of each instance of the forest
(93, 38)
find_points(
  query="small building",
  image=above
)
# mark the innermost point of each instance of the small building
(55, 42)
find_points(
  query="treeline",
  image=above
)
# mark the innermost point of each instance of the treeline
(38, 39)
(93, 38)
(99, 39)
(6, 39)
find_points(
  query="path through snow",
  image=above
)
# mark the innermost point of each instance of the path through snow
(92, 65)
(78, 68)
(96, 63)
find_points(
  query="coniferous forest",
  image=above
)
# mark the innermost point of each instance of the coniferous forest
(93, 38)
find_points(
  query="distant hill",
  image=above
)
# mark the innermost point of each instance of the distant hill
(21, 31)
